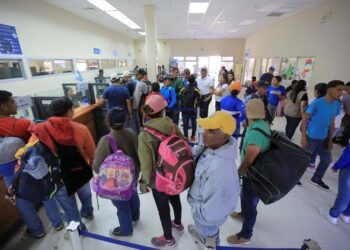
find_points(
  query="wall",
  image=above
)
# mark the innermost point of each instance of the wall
(305, 35)
(47, 32)
(186, 47)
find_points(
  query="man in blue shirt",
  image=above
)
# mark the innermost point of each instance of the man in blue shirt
(275, 93)
(318, 128)
(169, 94)
(267, 77)
(116, 95)
(187, 74)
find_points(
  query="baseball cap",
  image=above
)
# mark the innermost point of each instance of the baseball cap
(114, 77)
(255, 109)
(272, 68)
(220, 120)
(36, 167)
(156, 103)
(262, 83)
(126, 73)
(116, 116)
(235, 86)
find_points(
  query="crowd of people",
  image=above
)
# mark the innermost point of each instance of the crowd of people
(137, 106)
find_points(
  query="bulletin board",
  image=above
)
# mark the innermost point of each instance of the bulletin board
(288, 68)
(275, 62)
(304, 69)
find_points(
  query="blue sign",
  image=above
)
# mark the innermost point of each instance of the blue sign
(9, 43)
(97, 51)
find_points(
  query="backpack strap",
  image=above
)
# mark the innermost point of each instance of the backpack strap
(155, 133)
(262, 132)
(112, 142)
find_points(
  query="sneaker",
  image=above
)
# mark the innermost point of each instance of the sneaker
(345, 219)
(193, 232)
(193, 138)
(311, 167)
(39, 236)
(117, 233)
(319, 183)
(162, 242)
(237, 240)
(179, 228)
(89, 217)
(237, 216)
(325, 214)
(59, 228)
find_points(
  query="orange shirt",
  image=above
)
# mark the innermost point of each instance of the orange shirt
(11, 126)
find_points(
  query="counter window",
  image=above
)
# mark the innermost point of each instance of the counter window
(10, 69)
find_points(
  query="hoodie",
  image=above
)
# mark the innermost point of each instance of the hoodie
(148, 147)
(215, 190)
(66, 132)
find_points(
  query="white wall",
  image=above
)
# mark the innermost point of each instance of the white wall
(305, 35)
(47, 32)
(190, 47)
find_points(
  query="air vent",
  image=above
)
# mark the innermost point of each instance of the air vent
(275, 14)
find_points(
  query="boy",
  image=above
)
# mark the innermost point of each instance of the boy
(169, 94)
(275, 93)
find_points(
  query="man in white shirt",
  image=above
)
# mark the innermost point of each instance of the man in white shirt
(206, 87)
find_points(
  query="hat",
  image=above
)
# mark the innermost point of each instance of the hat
(235, 86)
(126, 73)
(220, 120)
(156, 103)
(255, 109)
(116, 116)
(262, 83)
(272, 68)
(114, 77)
(36, 167)
(60, 106)
(142, 72)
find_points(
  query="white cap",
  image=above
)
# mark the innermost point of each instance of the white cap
(126, 73)
(114, 76)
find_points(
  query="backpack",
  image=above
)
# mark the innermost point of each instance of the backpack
(8, 149)
(116, 176)
(175, 166)
(276, 171)
(74, 169)
(188, 98)
(39, 177)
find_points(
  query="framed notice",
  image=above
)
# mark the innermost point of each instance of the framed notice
(9, 44)
(304, 69)
(288, 68)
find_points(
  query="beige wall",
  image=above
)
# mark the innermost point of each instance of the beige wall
(193, 47)
(47, 32)
(305, 35)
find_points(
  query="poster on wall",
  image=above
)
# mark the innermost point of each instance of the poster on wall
(263, 67)
(275, 62)
(9, 43)
(248, 69)
(288, 68)
(304, 69)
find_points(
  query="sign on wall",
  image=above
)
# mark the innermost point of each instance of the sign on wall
(97, 51)
(9, 44)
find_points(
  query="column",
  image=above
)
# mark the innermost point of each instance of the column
(151, 41)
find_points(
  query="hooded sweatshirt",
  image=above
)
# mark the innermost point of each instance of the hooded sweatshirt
(66, 132)
(148, 147)
(215, 190)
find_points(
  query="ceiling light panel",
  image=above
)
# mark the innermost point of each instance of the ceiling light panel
(247, 22)
(102, 5)
(196, 8)
(117, 14)
(271, 7)
(142, 33)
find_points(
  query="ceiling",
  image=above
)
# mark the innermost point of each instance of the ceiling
(221, 21)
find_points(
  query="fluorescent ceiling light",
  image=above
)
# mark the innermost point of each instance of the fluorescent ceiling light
(131, 24)
(198, 8)
(232, 30)
(102, 4)
(142, 33)
(246, 22)
(270, 7)
(117, 15)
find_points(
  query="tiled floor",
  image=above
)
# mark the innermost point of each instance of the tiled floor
(283, 224)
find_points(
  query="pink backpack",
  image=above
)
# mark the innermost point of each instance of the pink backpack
(175, 166)
(116, 176)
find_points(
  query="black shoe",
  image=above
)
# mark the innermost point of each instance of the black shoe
(116, 232)
(299, 183)
(28, 233)
(319, 183)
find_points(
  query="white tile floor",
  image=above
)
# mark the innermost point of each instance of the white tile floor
(283, 224)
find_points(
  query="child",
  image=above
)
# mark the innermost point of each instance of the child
(275, 93)
(169, 94)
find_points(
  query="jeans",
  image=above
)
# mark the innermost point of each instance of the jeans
(204, 107)
(134, 123)
(272, 110)
(342, 202)
(128, 211)
(217, 106)
(249, 202)
(169, 113)
(162, 201)
(85, 197)
(176, 115)
(187, 116)
(31, 218)
(319, 147)
(292, 124)
(69, 206)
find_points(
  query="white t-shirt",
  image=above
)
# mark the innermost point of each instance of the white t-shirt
(225, 93)
(204, 84)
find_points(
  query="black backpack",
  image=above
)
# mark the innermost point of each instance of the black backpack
(276, 171)
(188, 98)
(74, 169)
(27, 184)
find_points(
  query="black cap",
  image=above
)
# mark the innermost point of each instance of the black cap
(116, 117)
(262, 83)
(60, 106)
(142, 72)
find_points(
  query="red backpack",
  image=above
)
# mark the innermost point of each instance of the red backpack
(175, 165)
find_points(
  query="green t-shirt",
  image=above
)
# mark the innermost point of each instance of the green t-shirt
(255, 137)
(177, 85)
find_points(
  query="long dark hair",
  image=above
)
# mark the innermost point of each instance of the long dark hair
(299, 86)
